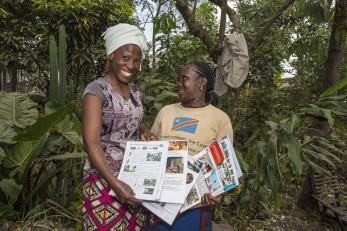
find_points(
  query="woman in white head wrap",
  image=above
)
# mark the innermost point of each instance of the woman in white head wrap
(112, 114)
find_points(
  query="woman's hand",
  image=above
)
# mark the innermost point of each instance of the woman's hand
(148, 136)
(125, 194)
(208, 199)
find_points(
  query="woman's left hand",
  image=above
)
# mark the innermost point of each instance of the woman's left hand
(148, 136)
(208, 199)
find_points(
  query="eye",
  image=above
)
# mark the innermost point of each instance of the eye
(125, 58)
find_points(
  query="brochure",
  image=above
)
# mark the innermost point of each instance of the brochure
(220, 172)
(168, 211)
(142, 168)
(174, 182)
(155, 170)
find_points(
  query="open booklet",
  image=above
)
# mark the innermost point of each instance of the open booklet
(214, 170)
(168, 211)
(220, 172)
(155, 170)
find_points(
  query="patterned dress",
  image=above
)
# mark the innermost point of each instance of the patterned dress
(121, 120)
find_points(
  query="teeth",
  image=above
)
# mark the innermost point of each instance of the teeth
(126, 74)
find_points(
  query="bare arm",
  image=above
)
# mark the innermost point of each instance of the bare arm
(91, 122)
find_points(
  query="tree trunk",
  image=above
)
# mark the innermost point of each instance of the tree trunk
(332, 75)
(336, 45)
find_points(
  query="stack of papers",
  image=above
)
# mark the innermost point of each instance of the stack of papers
(170, 181)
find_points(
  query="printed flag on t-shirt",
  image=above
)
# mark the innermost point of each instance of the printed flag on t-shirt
(185, 124)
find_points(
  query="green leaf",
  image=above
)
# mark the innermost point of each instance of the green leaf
(55, 144)
(318, 169)
(334, 97)
(2, 154)
(22, 153)
(72, 155)
(294, 155)
(333, 89)
(325, 152)
(17, 110)
(7, 133)
(66, 128)
(11, 190)
(43, 125)
(243, 164)
(293, 123)
(321, 112)
(325, 143)
(319, 156)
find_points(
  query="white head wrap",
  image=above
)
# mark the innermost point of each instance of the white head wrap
(122, 34)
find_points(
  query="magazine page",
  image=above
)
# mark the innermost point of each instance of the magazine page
(229, 170)
(225, 143)
(168, 211)
(200, 187)
(174, 183)
(143, 168)
(220, 172)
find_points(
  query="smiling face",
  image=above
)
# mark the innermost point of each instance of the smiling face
(125, 63)
(189, 84)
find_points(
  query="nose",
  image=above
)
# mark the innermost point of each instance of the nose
(131, 65)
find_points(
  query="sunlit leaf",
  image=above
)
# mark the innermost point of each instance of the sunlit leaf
(333, 89)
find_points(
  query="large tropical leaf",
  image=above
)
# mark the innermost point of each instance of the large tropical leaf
(7, 133)
(318, 169)
(316, 111)
(17, 110)
(11, 189)
(54, 144)
(68, 155)
(66, 128)
(18, 157)
(319, 157)
(44, 125)
(333, 89)
(294, 155)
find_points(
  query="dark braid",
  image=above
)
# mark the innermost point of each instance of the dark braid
(205, 70)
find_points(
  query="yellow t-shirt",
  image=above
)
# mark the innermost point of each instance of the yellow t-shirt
(199, 126)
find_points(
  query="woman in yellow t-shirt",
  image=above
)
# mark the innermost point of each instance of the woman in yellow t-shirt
(196, 120)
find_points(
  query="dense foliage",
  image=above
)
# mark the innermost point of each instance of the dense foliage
(275, 119)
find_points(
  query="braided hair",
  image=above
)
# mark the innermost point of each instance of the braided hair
(205, 71)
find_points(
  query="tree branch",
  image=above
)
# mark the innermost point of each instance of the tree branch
(269, 22)
(196, 28)
(231, 14)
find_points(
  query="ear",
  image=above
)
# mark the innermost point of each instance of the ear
(203, 82)
(110, 57)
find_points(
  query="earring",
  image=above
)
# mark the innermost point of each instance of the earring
(200, 88)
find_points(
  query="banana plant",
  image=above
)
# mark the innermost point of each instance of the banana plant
(290, 145)
(28, 145)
